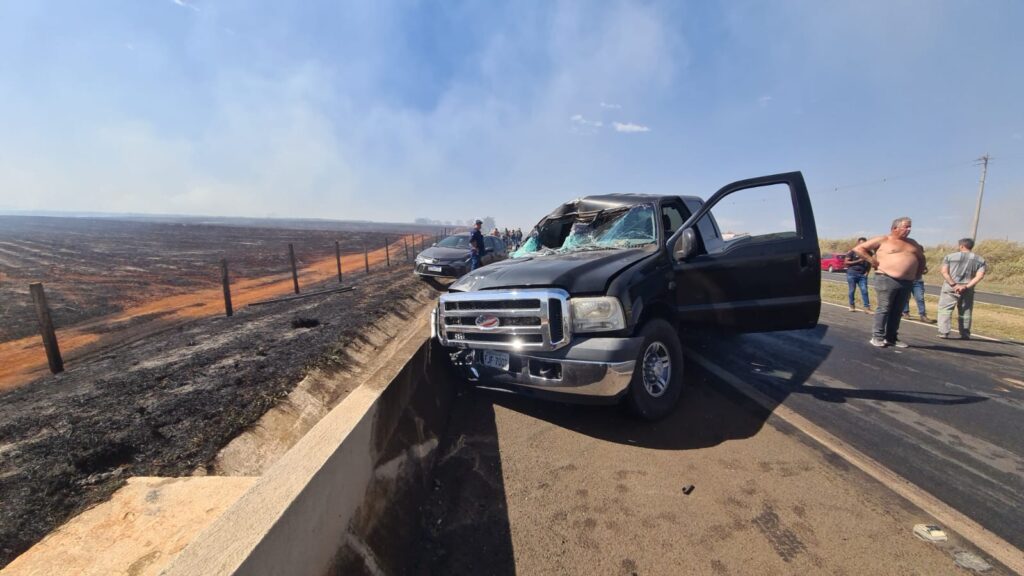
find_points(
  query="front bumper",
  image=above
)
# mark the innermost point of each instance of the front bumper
(445, 270)
(588, 370)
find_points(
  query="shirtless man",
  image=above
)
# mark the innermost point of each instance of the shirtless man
(897, 261)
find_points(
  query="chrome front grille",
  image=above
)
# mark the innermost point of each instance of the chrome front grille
(533, 319)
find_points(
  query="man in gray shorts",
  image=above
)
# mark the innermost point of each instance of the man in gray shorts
(962, 271)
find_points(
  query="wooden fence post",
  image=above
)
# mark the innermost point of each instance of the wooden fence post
(228, 310)
(46, 327)
(337, 253)
(387, 252)
(405, 242)
(366, 258)
(295, 272)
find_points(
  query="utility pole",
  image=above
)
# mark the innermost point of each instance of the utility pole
(981, 192)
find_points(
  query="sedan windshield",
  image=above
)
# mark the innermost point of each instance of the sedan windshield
(609, 229)
(455, 242)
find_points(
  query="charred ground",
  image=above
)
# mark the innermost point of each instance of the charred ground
(92, 267)
(164, 405)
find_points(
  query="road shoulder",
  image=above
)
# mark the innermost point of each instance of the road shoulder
(578, 490)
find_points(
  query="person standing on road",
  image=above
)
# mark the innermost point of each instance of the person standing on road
(897, 261)
(857, 276)
(917, 289)
(477, 248)
(962, 271)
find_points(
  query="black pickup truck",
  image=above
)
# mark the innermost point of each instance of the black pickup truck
(590, 309)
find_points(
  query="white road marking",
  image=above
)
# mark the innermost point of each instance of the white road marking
(992, 544)
(973, 335)
(952, 438)
(1014, 382)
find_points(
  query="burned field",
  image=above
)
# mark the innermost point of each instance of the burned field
(165, 380)
(93, 267)
(165, 405)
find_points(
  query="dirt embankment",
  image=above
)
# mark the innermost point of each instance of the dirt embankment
(165, 405)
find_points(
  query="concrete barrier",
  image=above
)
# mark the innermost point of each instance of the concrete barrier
(342, 500)
(346, 493)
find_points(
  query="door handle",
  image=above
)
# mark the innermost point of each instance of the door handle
(807, 259)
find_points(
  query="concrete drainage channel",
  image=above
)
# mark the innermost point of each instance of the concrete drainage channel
(335, 502)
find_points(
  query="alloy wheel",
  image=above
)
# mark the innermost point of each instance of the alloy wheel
(657, 369)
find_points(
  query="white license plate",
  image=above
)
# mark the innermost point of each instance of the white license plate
(433, 268)
(497, 360)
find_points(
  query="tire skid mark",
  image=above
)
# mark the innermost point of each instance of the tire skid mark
(784, 541)
(978, 535)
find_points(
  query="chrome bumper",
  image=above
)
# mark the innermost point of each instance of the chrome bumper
(599, 373)
(579, 378)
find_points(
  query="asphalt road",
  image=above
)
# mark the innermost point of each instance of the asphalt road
(987, 297)
(948, 415)
(527, 486)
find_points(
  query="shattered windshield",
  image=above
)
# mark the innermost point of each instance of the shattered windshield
(455, 242)
(625, 227)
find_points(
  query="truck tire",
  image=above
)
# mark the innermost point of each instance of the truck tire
(658, 376)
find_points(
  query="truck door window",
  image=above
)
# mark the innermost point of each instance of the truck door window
(672, 218)
(758, 214)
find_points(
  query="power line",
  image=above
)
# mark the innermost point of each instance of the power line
(905, 176)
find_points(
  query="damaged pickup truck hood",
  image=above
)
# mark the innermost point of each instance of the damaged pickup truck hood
(580, 272)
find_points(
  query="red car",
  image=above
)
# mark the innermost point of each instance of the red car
(833, 262)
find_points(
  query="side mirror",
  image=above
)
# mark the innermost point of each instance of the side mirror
(685, 245)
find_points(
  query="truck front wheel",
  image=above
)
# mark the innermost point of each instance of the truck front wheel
(658, 376)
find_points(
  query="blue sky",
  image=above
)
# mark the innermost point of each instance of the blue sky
(395, 110)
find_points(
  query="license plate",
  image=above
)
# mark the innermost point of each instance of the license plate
(497, 360)
(433, 268)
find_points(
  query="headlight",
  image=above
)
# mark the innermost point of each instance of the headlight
(424, 260)
(599, 314)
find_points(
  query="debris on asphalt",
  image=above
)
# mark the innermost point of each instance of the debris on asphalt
(930, 533)
(971, 562)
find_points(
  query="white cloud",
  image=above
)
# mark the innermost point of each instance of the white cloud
(629, 127)
(273, 150)
(611, 106)
(184, 4)
(315, 137)
(763, 101)
(579, 120)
